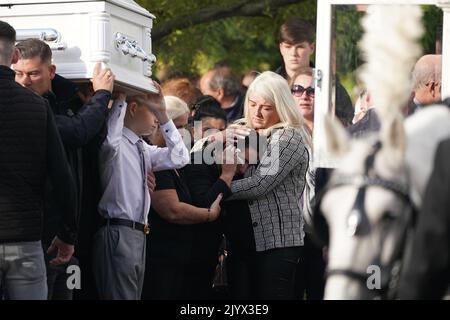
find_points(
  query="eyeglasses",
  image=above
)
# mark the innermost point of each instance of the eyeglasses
(297, 90)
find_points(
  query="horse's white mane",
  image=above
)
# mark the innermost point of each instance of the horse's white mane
(390, 46)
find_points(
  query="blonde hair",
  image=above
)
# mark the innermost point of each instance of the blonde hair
(275, 90)
(175, 107)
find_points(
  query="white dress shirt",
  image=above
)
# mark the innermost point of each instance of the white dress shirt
(122, 175)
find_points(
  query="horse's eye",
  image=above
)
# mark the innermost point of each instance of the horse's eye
(388, 216)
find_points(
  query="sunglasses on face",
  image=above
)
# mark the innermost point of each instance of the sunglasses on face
(297, 90)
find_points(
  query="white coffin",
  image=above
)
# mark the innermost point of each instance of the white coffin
(83, 32)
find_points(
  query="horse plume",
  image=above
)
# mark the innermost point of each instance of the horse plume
(390, 47)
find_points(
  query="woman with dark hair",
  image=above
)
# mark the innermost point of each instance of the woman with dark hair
(205, 182)
(207, 117)
(271, 229)
(172, 217)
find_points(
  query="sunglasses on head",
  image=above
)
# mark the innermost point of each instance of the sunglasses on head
(297, 90)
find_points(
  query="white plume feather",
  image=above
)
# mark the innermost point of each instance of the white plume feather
(390, 47)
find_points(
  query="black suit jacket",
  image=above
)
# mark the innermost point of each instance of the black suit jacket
(427, 269)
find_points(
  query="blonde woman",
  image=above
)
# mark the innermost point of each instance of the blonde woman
(272, 189)
(310, 280)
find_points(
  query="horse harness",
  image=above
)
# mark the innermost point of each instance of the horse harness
(357, 215)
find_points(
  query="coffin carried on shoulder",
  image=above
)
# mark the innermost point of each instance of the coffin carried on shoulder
(83, 32)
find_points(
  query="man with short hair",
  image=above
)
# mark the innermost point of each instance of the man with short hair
(427, 75)
(80, 126)
(221, 84)
(30, 151)
(297, 44)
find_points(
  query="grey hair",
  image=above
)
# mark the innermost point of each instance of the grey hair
(222, 78)
(425, 73)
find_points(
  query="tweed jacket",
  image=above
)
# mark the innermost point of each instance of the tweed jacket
(273, 189)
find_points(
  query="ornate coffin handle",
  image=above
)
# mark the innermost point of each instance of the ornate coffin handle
(132, 48)
(51, 36)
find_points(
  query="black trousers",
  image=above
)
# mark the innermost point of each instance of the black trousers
(57, 279)
(88, 288)
(163, 281)
(267, 275)
(198, 281)
(310, 278)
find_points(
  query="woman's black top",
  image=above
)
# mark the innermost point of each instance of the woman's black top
(238, 226)
(169, 242)
(205, 185)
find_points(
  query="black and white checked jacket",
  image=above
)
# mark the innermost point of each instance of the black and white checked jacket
(273, 189)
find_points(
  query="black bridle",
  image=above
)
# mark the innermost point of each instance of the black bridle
(357, 216)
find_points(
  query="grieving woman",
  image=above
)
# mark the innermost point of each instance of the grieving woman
(171, 217)
(310, 278)
(272, 189)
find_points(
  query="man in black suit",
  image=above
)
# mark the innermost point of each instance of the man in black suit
(30, 152)
(427, 269)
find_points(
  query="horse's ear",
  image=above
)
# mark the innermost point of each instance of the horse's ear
(338, 142)
(393, 136)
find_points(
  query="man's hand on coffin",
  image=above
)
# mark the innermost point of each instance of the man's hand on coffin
(102, 79)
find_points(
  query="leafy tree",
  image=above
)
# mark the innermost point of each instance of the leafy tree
(349, 33)
(193, 35)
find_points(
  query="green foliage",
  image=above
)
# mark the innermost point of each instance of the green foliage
(432, 22)
(250, 43)
(243, 43)
(349, 33)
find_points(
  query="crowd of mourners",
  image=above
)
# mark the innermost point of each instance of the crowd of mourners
(203, 190)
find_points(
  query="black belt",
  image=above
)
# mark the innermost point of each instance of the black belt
(127, 223)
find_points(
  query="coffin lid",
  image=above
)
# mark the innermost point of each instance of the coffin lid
(127, 4)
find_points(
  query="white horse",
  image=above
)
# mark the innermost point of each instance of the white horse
(370, 199)
(368, 204)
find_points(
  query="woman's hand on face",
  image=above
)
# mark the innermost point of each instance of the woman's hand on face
(239, 131)
(231, 134)
(214, 210)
